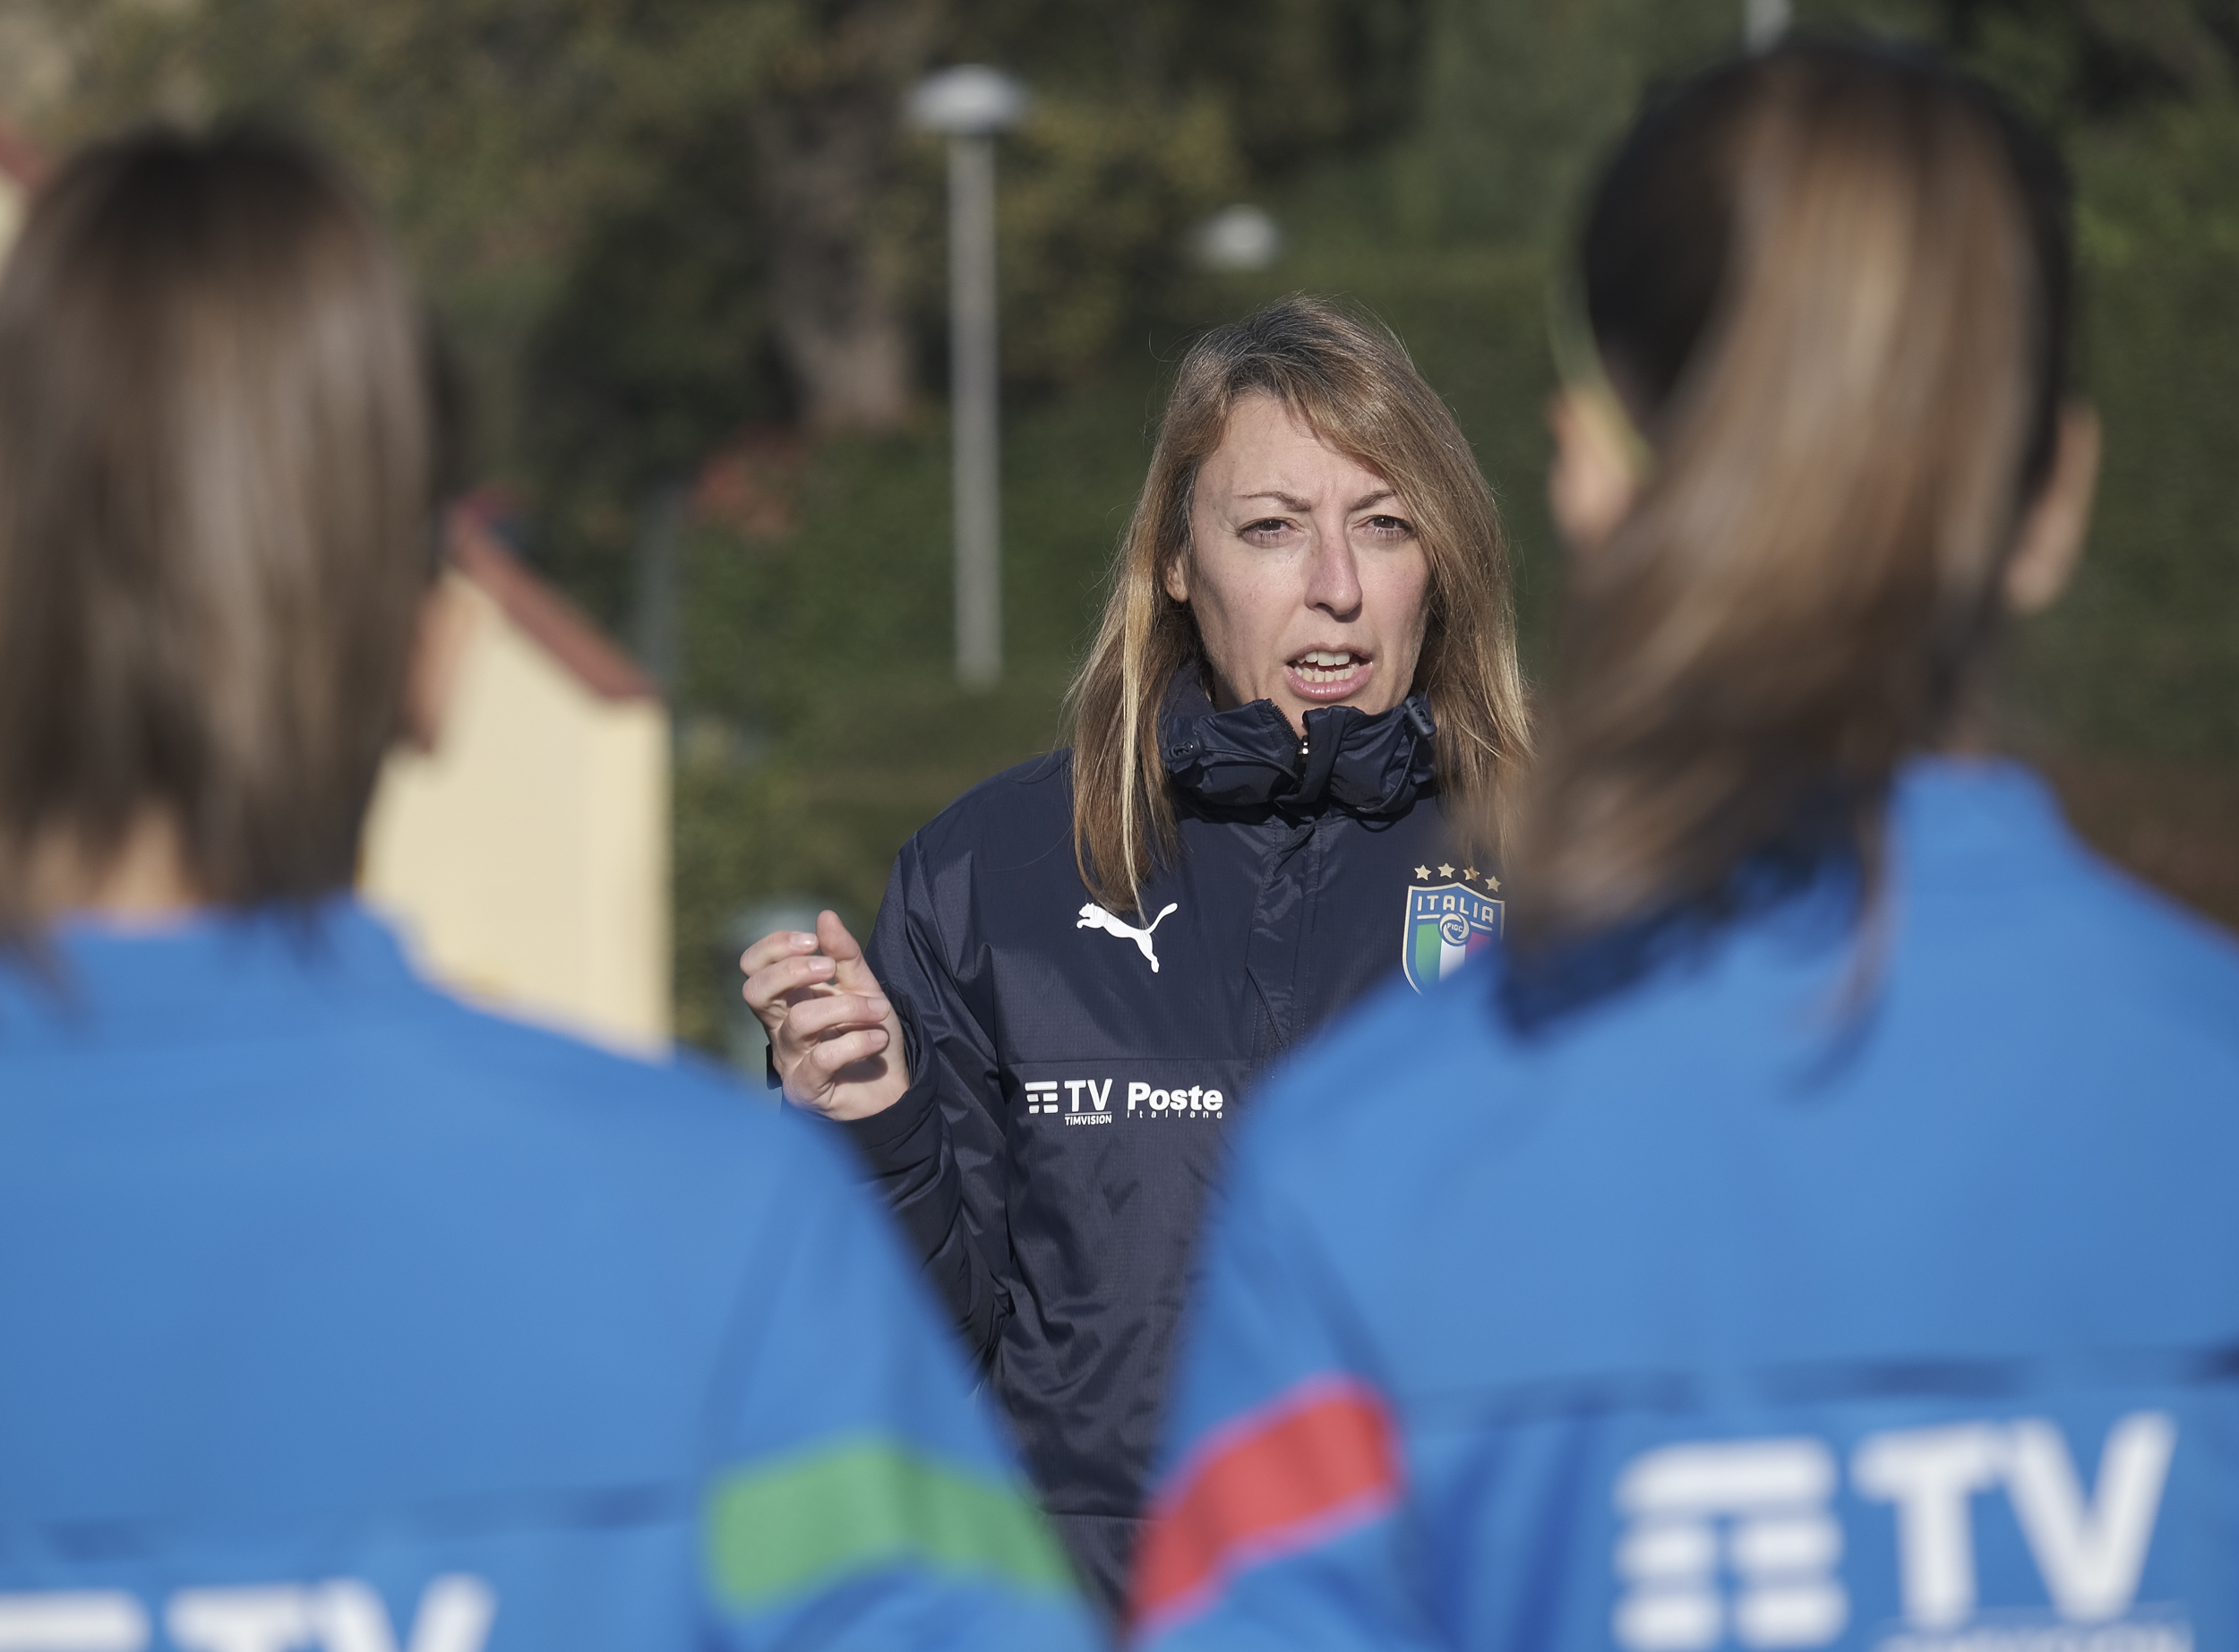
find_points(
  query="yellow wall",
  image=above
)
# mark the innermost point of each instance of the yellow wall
(527, 859)
(15, 200)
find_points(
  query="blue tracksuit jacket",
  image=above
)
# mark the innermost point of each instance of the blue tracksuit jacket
(1713, 1315)
(1075, 1074)
(336, 1317)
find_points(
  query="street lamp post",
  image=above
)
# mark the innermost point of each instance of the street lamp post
(971, 105)
(1764, 22)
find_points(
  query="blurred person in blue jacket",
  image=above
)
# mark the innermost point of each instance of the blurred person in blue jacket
(338, 1316)
(1304, 686)
(1817, 1228)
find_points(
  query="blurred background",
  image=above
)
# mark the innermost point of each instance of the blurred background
(692, 258)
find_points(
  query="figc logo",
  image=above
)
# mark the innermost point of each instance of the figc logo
(1448, 923)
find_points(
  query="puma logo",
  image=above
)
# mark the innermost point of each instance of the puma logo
(1094, 917)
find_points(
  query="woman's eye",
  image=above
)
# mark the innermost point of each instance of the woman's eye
(1267, 528)
(1389, 528)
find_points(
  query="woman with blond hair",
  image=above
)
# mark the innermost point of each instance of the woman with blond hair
(1304, 680)
(1815, 1230)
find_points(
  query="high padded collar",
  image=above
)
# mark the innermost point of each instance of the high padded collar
(1250, 757)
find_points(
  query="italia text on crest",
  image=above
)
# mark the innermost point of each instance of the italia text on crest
(1448, 922)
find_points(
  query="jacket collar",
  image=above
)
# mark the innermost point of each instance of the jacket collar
(217, 973)
(1248, 757)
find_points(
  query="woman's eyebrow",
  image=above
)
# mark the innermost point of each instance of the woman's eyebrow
(1291, 501)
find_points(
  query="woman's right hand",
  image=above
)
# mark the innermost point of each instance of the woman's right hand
(835, 1039)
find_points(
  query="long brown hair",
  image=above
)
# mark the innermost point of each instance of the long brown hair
(1351, 382)
(217, 478)
(1831, 286)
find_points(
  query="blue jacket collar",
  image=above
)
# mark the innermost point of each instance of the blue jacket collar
(1250, 757)
(216, 969)
(1953, 823)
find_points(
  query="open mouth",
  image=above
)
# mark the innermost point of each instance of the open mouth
(1329, 673)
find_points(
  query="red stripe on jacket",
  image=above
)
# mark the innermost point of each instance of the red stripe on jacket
(1310, 1463)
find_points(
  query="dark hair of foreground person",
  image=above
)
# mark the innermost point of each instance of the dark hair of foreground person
(218, 469)
(341, 1315)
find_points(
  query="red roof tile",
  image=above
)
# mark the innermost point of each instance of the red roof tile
(549, 620)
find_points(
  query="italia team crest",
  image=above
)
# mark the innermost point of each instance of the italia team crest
(1448, 923)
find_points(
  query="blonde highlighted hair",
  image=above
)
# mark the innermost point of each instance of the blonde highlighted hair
(1831, 284)
(1350, 381)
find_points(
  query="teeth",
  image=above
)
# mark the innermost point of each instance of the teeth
(1325, 665)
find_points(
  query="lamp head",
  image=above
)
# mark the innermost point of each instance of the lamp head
(968, 100)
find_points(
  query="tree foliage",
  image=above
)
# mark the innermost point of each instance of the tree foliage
(647, 221)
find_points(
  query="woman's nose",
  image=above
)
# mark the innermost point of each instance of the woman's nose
(1333, 580)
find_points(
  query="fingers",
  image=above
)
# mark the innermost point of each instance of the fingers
(853, 974)
(789, 970)
(823, 1039)
(775, 947)
(813, 1019)
(833, 939)
(825, 1061)
(768, 991)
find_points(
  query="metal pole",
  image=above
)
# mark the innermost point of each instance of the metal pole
(971, 372)
(660, 525)
(1764, 22)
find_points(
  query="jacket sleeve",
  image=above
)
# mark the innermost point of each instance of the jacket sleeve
(854, 1496)
(1278, 1516)
(937, 1156)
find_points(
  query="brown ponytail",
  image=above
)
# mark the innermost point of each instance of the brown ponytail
(1831, 284)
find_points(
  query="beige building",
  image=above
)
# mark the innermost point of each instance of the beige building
(527, 858)
(21, 168)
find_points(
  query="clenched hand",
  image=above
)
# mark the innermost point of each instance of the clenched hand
(835, 1039)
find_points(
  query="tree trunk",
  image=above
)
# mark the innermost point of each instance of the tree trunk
(823, 137)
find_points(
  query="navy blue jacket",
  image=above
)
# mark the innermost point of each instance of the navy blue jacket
(1074, 1072)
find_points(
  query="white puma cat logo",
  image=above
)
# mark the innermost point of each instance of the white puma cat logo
(1094, 917)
